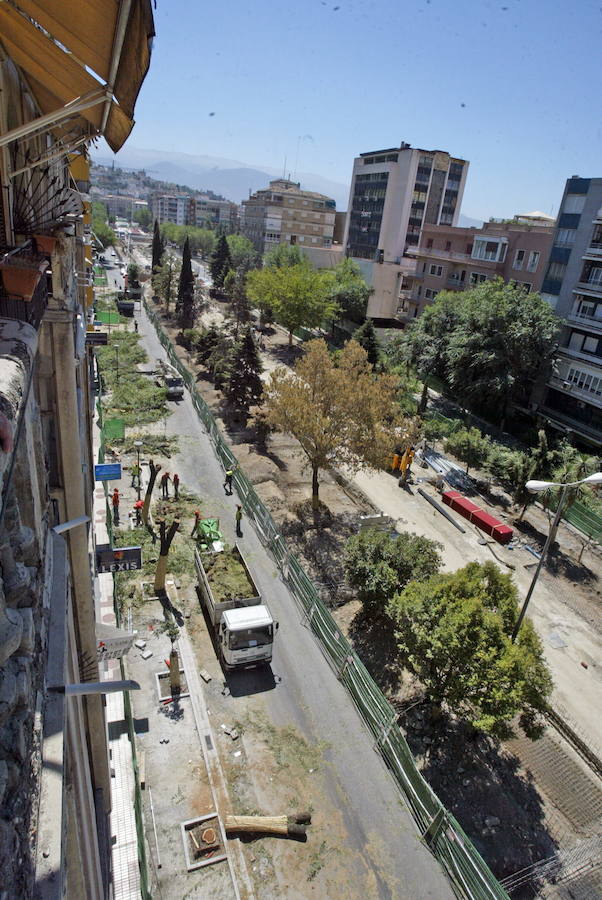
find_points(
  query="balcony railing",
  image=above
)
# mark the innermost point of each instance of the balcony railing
(595, 286)
(581, 319)
(12, 306)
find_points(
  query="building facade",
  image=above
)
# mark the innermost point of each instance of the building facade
(196, 210)
(394, 194)
(454, 259)
(285, 214)
(121, 206)
(55, 780)
(573, 286)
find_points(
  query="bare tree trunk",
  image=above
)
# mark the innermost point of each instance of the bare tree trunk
(290, 340)
(315, 487)
(174, 672)
(424, 397)
(154, 471)
(166, 537)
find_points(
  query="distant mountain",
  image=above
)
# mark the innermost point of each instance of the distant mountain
(467, 222)
(232, 178)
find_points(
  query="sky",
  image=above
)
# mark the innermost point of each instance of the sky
(511, 85)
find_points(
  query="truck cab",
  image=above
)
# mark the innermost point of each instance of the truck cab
(169, 378)
(246, 636)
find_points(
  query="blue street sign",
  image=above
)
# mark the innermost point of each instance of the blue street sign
(107, 472)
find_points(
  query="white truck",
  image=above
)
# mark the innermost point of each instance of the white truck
(244, 626)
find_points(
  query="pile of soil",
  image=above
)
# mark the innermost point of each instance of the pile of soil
(227, 575)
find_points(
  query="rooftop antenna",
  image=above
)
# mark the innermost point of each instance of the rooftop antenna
(284, 168)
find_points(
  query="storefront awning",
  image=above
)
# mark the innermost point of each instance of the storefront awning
(98, 49)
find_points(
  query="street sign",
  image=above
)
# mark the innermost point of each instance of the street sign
(111, 642)
(107, 472)
(117, 559)
(97, 338)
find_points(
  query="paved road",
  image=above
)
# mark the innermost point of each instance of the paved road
(385, 856)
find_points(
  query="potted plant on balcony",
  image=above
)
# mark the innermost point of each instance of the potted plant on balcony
(44, 243)
(21, 274)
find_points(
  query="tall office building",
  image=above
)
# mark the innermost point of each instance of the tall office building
(573, 286)
(393, 194)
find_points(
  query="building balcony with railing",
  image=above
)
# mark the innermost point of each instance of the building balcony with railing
(25, 286)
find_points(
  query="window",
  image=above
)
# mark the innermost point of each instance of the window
(436, 270)
(429, 294)
(590, 344)
(469, 249)
(565, 237)
(448, 245)
(594, 275)
(483, 249)
(585, 381)
(533, 260)
(574, 203)
(429, 243)
(556, 271)
(519, 259)
(524, 285)
(477, 277)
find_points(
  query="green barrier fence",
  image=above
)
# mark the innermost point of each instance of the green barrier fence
(467, 871)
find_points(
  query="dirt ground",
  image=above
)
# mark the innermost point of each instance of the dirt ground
(497, 790)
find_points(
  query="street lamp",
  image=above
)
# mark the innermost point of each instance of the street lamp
(535, 487)
(137, 445)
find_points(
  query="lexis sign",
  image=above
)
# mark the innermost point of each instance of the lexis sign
(118, 559)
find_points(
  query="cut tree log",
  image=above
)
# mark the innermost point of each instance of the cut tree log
(268, 824)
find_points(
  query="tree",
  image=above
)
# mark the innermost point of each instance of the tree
(469, 446)
(244, 387)
(502, 341)
(571, 465)
(143, 216)
(298, 295)
(158, 248)
(284, 255)
(221, 262)
(133, 274)
(165, 281)
(234, 288)
(349, 290)
(154, 471)
(342, 415)
(454, 632)
(166, 536)
(379, 566)
(185, 299)
(366, 338)
(243, 255)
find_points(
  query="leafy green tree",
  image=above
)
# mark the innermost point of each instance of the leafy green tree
(297, 295)
(243, 255)
(165, 281)
(469, 446)
(143, 217)
(133, 274)
(104, 233)
(221, 262)
(234, 288)
(366, 338)
(572, 465)
(341, 415)
(349, 290)
(283, 255)
(454, 632)
(243, 387)
(186, 296)
(219, 358)
(379, 566)
(158, 248)
(502, 341)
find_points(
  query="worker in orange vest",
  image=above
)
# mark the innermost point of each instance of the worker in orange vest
(406, 464)
(115, 502)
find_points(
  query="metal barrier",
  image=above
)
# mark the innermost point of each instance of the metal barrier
(469, 874)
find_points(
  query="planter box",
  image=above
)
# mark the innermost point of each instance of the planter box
(45, 243)
(21, 280)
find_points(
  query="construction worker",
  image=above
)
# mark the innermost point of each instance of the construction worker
(135, 475)
(176, 486)
(115, 502)
(165, 479)
(197, 519)
(405, 465)
(238, 520)
(138, 507)
(228, 481)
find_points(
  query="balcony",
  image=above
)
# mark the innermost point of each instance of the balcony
(591, 323)
(588, 287)
(567, 423)
(455, 283)
(16, 302)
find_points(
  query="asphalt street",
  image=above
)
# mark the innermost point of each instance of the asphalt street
(386, 850)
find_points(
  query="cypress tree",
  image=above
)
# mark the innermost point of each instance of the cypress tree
(185, 301)
(366, 338)
(221, 262)
(158, 247)
(244, 387)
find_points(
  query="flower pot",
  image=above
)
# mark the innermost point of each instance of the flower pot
(21, 280)
(45, 243)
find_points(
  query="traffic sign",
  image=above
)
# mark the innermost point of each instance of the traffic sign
(118, 559)
(107, 472)
(97, 338)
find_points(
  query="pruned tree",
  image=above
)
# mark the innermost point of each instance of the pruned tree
(186, 291)
(154, 471)
(172, 631)
(342, 415)
(297, 295)
(166, 536)
(243, 387)
(454, 632)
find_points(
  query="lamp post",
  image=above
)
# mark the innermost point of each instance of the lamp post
(137, 445)
(535, 487)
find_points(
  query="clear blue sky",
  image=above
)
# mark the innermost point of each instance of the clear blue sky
(512, 86)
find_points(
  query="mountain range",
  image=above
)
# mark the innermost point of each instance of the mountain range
(231, 178)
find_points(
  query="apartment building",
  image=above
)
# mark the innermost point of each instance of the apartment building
(450, 258)
(55, 778)
(285, 214)
(572, 399)
(394, 194)
(122, 206)
(170, 208)
(197, 210)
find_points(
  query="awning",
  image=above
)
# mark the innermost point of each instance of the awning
(109, 37)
